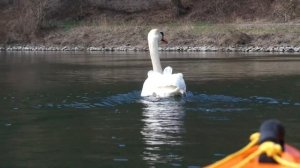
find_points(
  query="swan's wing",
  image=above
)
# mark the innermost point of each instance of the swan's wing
(179, 82)
(163, 85)
(151, 83)
(154, 74)
(172, 80)
(168, 71)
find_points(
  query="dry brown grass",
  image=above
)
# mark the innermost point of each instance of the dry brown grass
(209, 22)
(245, 10)
(27, 21)
(188, 34)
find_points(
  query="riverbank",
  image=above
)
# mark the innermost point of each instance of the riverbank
(247, 27)
(290, 49)
(182, 36)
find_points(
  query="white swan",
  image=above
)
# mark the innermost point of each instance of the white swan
(161, 83)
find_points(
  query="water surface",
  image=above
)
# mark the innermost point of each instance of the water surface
(70, 109)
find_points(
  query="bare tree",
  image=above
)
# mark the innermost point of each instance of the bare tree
(180, 9)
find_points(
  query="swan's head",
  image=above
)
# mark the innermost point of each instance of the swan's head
(156, 35)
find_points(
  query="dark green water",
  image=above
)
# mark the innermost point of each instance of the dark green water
(83, 110)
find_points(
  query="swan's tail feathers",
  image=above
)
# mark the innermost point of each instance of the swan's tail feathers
(168, 91)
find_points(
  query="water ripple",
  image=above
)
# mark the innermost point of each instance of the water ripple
(214, 98)
(94, 102)
(192, 101)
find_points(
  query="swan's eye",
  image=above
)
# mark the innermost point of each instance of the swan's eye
(162, 34)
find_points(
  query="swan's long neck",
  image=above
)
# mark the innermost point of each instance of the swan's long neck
(153, 48)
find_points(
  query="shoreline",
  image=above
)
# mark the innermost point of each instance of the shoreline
(289, 49)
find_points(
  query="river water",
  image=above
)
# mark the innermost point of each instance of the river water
(78, 110)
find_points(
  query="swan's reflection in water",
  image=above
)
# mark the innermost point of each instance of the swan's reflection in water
(162, 131)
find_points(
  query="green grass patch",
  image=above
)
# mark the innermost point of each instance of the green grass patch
(66, 25)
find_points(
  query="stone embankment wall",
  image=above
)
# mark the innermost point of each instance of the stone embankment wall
(288, 49)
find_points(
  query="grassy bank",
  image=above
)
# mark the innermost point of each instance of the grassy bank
(206, 23)
(178, 33)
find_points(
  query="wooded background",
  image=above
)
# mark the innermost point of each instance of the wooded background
(22, 20)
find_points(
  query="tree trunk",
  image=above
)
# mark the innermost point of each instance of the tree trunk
(180, 9)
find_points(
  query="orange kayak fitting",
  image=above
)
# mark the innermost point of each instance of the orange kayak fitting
(279, 155)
